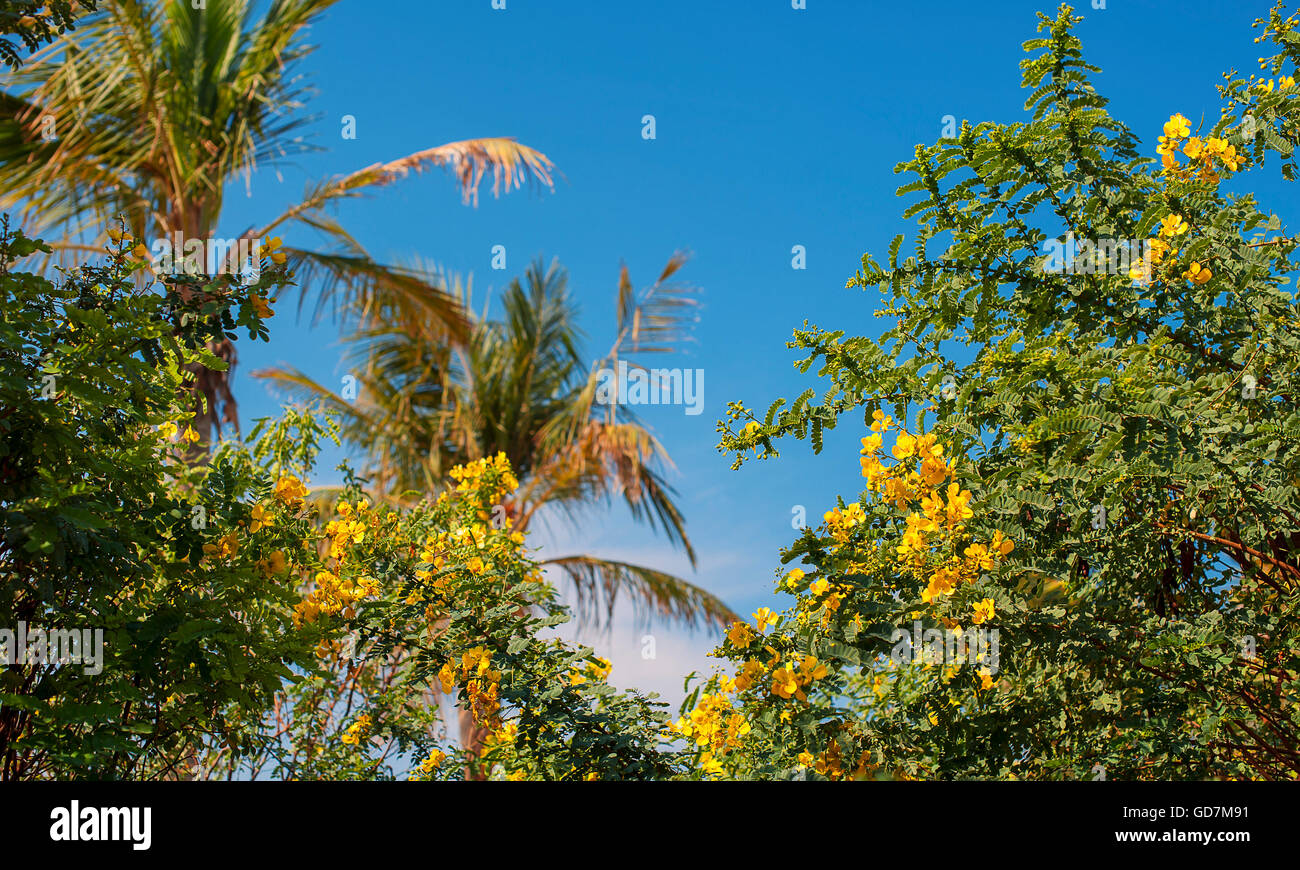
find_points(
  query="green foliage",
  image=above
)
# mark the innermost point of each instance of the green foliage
(451, 605)
(35, 23)
(244, 634)
(1136, 439)
(521, 386)
(104, 526)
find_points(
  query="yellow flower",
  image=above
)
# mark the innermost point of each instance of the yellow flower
(792, 579)
(433, 762)
(168, 430)
(980, 558)
(1230, 158)
(941, 584)
(934, 471)
(928, 446)
(811, 669)
(447, 677)
(1193, 147)
(983, 611)
(290, 490)
(226, 547)
(274, 564)
(740, 635)
(1172, 225)
(986, 679)
(353, 735)
(260, 519)
(784, 684)
(1197, 274)
(904, 446)
(749, 674)
(272, 246)
(261, 307)
(189, 435)
(958, 505)
(763, 617)
(1177, 127)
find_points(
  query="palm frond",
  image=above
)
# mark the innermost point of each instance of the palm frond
(658, 319)
(511, 163)
(354, 285)
(599, 583)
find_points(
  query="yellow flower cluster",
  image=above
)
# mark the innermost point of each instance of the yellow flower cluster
(171, 432)
(226, 547)
(349, 530)
(826, 596)
(1207, 157)
(841, 523)
(271, 247)
(260, 519)
(935, 514)
(1283, 83)
(430, 764)
(1171, 228)
(830, 763)
(749, 674)
(482, 683)
(914, 480)
(333, 595)
(979, 558)
(597, 671)
(789, 682)
(714, 725)
(357, 730)
(467, 476)
(273, 564)
(741, 635)
(290, 491)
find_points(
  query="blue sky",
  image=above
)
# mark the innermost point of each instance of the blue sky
(775, 127)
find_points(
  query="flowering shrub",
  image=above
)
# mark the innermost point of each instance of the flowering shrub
(1080, 559)
(249, 628)
(404, 606)
(107, 529)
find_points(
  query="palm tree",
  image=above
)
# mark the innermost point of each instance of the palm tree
(518, 385)
(156, 106)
